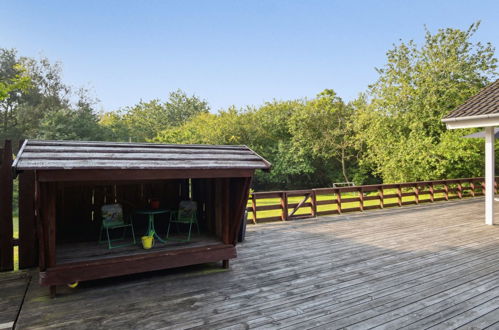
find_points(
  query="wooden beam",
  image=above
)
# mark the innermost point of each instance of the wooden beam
(226, 214)
(110, 267)
(40, 232)
(313, 201)
(134, 175)
(48, 194)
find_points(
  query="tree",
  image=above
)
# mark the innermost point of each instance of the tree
(42, 107)
(145, 120)
(18, 80)
(401, 128)
(80, 123)
(324, 127)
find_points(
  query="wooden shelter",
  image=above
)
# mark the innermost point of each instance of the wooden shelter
(481, 110)
(63, 185)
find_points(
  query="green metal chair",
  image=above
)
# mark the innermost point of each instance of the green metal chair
(186, 214)
(112, 218)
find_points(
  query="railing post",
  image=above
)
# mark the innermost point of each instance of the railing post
(459, 190)
(313, 201)
(338, 201)
(284, 206)
(361, 199)
(381, 197)
(416, 193)
(472, 188)
(446, 191)
(432, 192)
(399, 195)
(253, 207)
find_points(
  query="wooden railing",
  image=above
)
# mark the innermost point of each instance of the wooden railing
(326, 201)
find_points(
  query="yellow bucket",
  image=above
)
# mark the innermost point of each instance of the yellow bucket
(147, 242)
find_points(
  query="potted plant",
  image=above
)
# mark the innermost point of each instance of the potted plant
(154, 203)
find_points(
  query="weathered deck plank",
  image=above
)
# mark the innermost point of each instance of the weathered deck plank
(415, 267)
(12, 290)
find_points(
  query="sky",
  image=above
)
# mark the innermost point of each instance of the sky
(241, 53)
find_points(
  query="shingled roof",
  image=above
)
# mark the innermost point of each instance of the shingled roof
(483, 104)
(57, 155)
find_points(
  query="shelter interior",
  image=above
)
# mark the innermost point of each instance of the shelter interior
(78, 214)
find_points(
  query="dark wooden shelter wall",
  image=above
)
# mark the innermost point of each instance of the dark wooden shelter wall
(6, 225)
(28, 247)
(78, 205)
(221, 204)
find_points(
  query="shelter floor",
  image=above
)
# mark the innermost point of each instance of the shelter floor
(85, 251)
(415, 267)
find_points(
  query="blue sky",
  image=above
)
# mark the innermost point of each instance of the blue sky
(227, 52)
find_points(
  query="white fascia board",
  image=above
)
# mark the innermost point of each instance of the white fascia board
(470, 122)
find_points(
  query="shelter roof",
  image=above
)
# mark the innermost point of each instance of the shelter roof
(68, 155)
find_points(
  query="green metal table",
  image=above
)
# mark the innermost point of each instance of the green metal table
(151, 231)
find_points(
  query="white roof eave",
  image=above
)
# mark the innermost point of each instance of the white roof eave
(472, 121)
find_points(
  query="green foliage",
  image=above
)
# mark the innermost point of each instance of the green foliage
(39, 104)
(401, 128)
(323, 129)
(72, 124)
(17, 80)
(145, 120)
(393, 132)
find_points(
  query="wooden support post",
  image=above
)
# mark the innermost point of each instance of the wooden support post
(6, 226)
(253, 207)
(399, 195)
(284, 206)
(416, 193)
(472, 188)
(338, 201)
(313, 201)
(361, 199)
(226, 193)
(489, 175)
(432, 192)
(52, 291)
(381, 198)
(446, 191)
(48, 196)
(459, 190)
(40, 232)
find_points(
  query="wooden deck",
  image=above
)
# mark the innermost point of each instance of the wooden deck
(427, 266)
(87, 251)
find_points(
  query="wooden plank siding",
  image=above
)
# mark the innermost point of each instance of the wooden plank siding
(6, 225)
(431, 265)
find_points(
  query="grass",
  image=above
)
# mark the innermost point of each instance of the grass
(15, 221)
